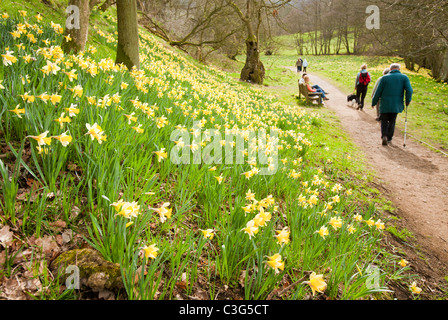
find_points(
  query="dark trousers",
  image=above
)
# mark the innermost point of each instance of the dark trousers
(361, 92)
(299, 68)
(388, 125)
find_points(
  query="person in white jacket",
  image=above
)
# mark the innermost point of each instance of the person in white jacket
(304, 65)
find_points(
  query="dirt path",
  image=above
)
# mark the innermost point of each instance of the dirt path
(414, 178)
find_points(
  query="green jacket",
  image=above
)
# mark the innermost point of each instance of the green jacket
(391, 91)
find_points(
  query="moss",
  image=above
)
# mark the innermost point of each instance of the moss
(89, 262)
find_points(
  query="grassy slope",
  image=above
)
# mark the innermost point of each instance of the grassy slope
(330, 153)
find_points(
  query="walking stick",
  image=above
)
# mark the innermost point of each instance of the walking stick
(405, 126)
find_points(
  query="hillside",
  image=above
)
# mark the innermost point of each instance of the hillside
(249, 210)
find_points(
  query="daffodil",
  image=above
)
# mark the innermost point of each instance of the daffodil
(357, 217)
(282, 236)
(129, 210)
(161, 154)
(150, 251)
(219, 178)
(18, 111)
(379, 225)
(335, 222)
(250, 196)
(42, 139)
(403, 263)
(138, 128)
(164, 212)
(72, 110)
(370, 222)
(9, 58)
(64, 139)
(95, 132)
(323, 232)
(61, 120)
(208, 233)
(351, 229)
(276, 263)
(251, 229)
(316, 283)
(415, 289)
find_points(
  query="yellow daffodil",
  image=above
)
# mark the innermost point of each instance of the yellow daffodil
(250, 196)
(150, 251)
(72, 110)
(323, 232)
(370, 222)
(276, 263)
(163, 212)
(379, 225)
(336, 222)
(161, 154)
(8, 58)
(61, 120)
(357, 217)
(220, 179)
(18, 111)
(138, 129)
(208, 233)
(415, 289)
(251, 229)
(351, 229)
(42, 139)
(403, 263)
(64, 139)
(282, 236)
(317, 283)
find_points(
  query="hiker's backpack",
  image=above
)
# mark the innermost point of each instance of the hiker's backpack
(364, 78)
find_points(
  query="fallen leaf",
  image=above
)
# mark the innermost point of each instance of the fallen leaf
(5, 236)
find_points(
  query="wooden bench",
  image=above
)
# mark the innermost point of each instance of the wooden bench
(309, 96)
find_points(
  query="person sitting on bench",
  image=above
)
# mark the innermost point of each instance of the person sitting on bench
(314, 89)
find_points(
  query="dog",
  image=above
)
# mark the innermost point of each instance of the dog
(353, 98)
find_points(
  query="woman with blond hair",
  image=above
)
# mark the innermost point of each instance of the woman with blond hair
(361, 85)
(314, 89)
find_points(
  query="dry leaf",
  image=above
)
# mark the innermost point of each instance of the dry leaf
(5, 236)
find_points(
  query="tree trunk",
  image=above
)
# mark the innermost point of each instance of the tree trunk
(127, 46)
(77, 29)
(253, 70)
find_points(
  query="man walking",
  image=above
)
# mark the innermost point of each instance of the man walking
(391, 90)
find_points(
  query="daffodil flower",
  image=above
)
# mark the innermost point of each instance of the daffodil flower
(335, 222)
(415, 289)
(9, 58)
(150, 251)
(64, 139)
(161, 154)
(323, 232)
(42, 139)
(18, 111)
(276, 263)
(403, 263)
(61, 120)
(282, 236)
(317, 283)
(208, 233)
(163, 212)
(251, 229)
